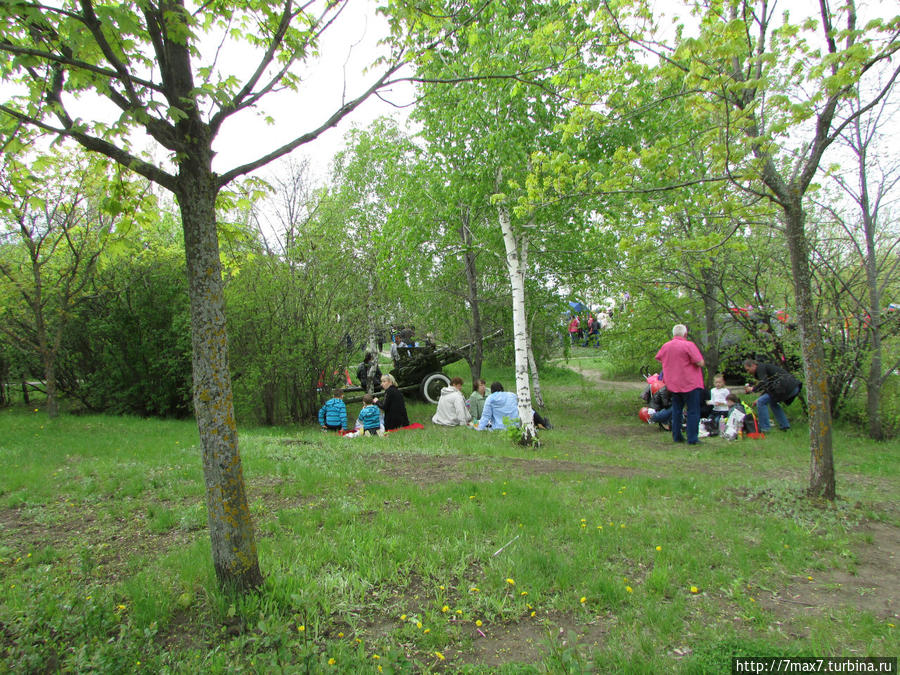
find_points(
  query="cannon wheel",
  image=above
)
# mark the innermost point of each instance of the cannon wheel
(432, 385)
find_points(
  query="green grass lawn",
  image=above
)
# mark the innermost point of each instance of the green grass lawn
(609, 549)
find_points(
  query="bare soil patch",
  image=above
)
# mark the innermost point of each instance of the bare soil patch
(526, 640)
(872, 586)
(424, 470)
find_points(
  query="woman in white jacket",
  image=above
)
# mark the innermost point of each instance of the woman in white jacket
(451, 409)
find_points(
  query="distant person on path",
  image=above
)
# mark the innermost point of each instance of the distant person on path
(451, 408)
(573, 329)
(476, 400)
(683, 364)
(777, 386)
(333, 415)
(393, 404)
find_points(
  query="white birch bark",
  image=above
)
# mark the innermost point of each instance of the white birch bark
(516, 261)
(532, 364)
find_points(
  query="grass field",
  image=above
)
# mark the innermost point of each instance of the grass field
(609, 549)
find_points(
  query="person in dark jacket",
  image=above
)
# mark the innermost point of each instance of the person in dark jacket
(393, 404)
(776, 386)
(362, 373)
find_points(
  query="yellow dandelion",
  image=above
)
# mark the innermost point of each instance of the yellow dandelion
(511, 582)
(752, 600)
(380, 670)
(331, 661)
(340, 635)
(694, 589)
(120, 606)
(659, 548)
(427, 630)
(628, 589)
(478, 622)
(441, 587)
(584, 524)
(583, 600)
(473, 589)
(418, 624)
(584, 520)
(403, 617)
(503, 493)
(810, 578)
(622, 525)
(439, 655)
(524, 593)
(890, 625)
(599, 527)
(459, 611)
(471, 496)
(301, 628)
(533, 613)
(375, 656)
(445, 608)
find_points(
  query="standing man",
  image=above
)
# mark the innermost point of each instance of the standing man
(777, 386)
(682, 365)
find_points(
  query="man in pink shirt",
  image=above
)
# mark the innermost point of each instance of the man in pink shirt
(682, 365)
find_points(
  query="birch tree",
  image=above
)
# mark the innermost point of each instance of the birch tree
(773, 94)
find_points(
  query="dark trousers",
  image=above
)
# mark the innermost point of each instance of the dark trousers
(690, 400)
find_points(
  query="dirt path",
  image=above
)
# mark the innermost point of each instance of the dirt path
(596, 376)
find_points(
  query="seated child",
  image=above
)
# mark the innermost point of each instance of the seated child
(333, 415)
(731, 427)
(369, 420)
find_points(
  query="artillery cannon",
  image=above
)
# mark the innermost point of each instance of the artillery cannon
(419, 370)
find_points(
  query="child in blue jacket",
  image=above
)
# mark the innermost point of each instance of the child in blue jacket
(369, 420)
(333, 415)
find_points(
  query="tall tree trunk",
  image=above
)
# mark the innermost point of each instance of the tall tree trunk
(821, 470)
(532, 365)
(875, 379)
(477, 353)
(230, 528)
(710, 310)
(516, 260)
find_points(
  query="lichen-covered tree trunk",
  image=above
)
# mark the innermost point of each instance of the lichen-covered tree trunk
(516, 259)
(821, 469)
(710, 309)
(230, 527)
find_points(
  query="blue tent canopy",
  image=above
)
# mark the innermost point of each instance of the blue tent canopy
(577, 306)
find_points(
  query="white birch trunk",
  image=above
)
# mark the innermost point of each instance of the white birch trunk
(516, 260)
(535, 376)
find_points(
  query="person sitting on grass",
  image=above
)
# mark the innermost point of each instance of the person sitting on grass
(451, 408)
(504, 404)
(476, 400)
(393, 404)
(333, 415)
(369, 420)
